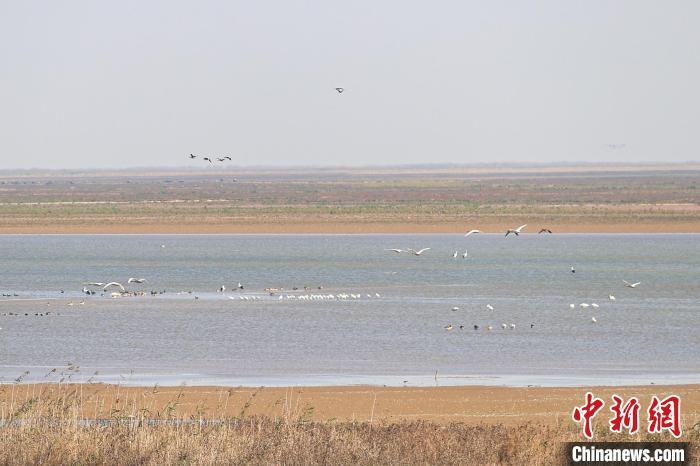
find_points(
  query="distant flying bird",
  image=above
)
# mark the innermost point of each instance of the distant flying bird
(611, 297)
(94, 284)
(472, 232)
(454, 256)
(227, 157)
(136, 280)
(517, 231)
(339, 89)
(466, 253)
(593, 319)
(631, 285)
(208, 159)
(489, 307)
(221, 159)
(192, 156)
(121, 287)
(395, 250)
(545, 230)
(419, 252)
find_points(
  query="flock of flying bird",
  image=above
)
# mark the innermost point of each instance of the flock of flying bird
(516, 232)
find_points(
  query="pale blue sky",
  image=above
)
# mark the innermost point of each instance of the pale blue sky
(135, 83)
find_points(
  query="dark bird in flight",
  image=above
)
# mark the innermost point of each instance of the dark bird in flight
(545, 230)
(192, 156)
(339, 89)
(220, 159)
(227, 157)
(208, 159)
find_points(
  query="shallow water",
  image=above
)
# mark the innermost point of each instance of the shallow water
(648, 334)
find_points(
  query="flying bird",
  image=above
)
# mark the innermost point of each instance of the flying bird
(466, 253)
(136, 280)
(517, 231)
(472, 232)
(121, 287)
(454, 256)
(397, 251)
(192, 156)
(339, 89)
(419, 252)
(227, 158)
(631, 285)
(545, 230)
(221, 159)
(208, 159)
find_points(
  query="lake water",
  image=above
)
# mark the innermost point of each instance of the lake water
(648, 334)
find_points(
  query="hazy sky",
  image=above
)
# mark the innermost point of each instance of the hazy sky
(144, 83)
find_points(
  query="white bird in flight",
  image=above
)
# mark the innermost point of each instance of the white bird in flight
(593, 319)
(631, 285)
(395, 250)
(121, 287)
(472, 232)
(611, 297)
(517, 231)
(489, 307)
(136, 280)
(419, 252)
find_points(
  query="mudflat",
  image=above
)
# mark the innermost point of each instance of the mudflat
(588, 198)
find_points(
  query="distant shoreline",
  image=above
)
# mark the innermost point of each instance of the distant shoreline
(312, 227)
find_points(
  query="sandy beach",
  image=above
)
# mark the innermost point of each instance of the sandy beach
(468, 404)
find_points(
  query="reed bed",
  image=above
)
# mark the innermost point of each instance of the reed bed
(58, 426)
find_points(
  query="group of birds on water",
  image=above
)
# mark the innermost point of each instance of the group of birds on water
(515, 231)
(89, 288)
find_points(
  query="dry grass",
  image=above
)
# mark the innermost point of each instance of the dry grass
(57, 427)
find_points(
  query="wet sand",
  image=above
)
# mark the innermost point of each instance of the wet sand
(469, 404)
